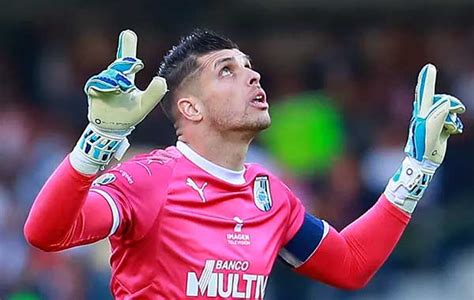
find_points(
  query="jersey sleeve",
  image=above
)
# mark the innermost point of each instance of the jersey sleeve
(304, 235)
(65, 213)
(350, 258)
(296, 214)
(135, 191)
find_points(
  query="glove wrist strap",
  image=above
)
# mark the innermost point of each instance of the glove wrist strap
(409, 183)
(96, 148)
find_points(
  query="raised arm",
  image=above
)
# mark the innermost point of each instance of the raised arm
(349, 259)
(66, 212)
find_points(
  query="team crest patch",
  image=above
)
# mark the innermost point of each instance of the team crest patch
(105, 179)
(261, 193)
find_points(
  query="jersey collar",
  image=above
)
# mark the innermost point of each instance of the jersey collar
(230, 176)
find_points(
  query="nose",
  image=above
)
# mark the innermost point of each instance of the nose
(254, 78)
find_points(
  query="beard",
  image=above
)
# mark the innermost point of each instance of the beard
(258, 124)
(250, 122)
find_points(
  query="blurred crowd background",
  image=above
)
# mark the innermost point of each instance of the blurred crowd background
(340, 78)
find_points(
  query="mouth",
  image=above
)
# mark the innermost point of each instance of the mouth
(259, 100)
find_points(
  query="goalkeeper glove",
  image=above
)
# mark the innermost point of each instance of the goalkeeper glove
(116, 106)
(434, 119)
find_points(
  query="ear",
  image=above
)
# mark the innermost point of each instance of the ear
(190, 109)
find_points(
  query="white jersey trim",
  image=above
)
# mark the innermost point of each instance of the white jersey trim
(113, 208)
(230, 176)
(326, 230)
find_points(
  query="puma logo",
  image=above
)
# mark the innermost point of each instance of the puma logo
(239, 224)
(198, 189)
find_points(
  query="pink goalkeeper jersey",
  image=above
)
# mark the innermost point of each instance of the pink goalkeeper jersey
(187, 228)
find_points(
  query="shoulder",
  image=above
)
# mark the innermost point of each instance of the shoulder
(139, 187)
(156, 166)
(158, 157)
(155, 163)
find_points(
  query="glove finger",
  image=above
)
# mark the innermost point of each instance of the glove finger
(450, 124)
(127, 48)
(453, 124)
(455, 105)
(109, 81)
(153, 93)
(459, 126)
(127, 65)
(126, 85)
(127, 44)
(425, 89)
(101, 84)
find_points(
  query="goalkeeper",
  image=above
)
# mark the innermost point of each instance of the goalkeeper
(194, 221)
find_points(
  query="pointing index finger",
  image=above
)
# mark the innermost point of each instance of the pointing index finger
(425, 89)
(127, 44)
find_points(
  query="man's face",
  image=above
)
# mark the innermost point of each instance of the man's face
(230, 92)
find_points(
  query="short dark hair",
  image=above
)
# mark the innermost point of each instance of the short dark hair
(181, 61)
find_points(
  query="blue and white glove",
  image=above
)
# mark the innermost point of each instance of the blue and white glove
(435, 118)
(116, 106)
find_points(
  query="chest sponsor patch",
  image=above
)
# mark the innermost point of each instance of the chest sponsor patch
(261, 193)
(226, 279)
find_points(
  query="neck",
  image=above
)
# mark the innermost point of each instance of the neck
(221, 150)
